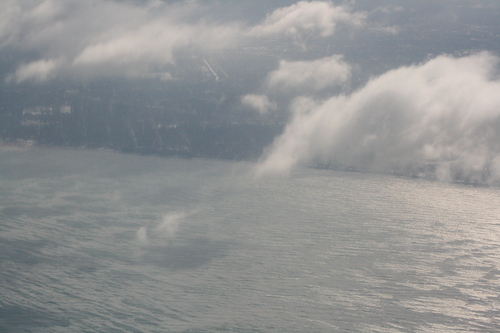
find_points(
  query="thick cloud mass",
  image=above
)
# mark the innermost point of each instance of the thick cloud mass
(439, 119)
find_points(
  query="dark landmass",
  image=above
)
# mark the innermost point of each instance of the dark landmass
(145, 116)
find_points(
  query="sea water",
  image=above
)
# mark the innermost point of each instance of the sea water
(97, 241)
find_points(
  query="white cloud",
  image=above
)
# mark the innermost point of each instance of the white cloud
(123, 38)
(439, 119)
(319, 17)
(260, 103)
(107, 37)
(153, 43)
(299, 77)
(38, 71)
(309, 75)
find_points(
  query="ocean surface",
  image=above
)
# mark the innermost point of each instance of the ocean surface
(97, 241)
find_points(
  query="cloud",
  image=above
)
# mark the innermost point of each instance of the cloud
(169, 225)
(142, 235)
(106, 37)
(309, 75)
(260, 103)
(299, 77)
(74, 38)
(319, 17)
(166, 229)
(439, 119)
(153, 43)
(38, 71)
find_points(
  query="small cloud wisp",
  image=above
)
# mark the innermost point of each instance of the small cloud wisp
(165, 230)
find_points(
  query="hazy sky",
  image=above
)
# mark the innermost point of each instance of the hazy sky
(395, 86)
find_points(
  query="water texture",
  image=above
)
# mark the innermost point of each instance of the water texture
(95, 241)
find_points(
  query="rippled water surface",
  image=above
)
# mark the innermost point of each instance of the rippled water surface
(95, 241)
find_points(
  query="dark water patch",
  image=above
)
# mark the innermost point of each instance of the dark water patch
(229, 328)
(492, 273)
(22, 251)
(86, 269)
(80, 198)
(13, 211)
(75, 225)
(460, 242)
(16, 318)
(150, 315)
(195, 253)
(167, 195)
(35, 212)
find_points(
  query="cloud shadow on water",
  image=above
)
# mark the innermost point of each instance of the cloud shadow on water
(192, 254)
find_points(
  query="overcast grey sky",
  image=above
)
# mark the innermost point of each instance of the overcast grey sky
(393, 86)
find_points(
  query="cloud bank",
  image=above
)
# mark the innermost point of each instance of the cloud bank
(73, 38)
(439, 119)
(104, 37)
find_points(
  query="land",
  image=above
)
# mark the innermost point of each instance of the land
(197, 113)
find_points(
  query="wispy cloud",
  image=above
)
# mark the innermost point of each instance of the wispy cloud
(319, 17)
(39, 70)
